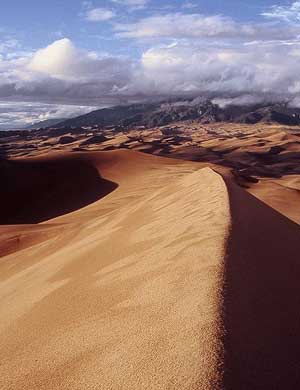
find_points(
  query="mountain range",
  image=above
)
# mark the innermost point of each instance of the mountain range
(160, 114)
(45, 123)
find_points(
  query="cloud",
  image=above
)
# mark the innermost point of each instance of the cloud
(182, 25)
(63, 61)
(233, 70)
(213, 56)
(135, 4)
(99, 15)
(241, 100)
(63, 73)
(19, 114)
(189, 5)
(222, 72)
(55, 59)
(286, 13)
(8, 44)
(177, 25)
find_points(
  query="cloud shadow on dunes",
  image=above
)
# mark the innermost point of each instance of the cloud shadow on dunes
(36, 190)
(262, 297)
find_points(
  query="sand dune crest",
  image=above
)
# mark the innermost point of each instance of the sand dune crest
(175, 280)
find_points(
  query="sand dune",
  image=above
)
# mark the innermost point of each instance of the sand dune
(173, 279)
(264, 158)
(37, 189)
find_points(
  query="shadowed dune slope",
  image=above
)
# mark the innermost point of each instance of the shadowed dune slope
(175, 280)
(38, 189)
(262, 297)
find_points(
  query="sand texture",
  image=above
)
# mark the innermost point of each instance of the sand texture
(124, 270)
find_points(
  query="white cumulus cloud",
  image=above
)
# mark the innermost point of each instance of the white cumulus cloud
(99, 14)
(287, 13)
(63, 73)
(222, 72)
(56, 59)
(182, 25)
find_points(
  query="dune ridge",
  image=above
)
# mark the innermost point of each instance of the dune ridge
(173, 280)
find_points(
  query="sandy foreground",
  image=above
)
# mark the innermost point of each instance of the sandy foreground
(132, 271)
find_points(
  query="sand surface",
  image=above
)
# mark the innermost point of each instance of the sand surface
(263, 158)
(165, 276)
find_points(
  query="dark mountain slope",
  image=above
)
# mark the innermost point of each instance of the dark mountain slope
(160, 114)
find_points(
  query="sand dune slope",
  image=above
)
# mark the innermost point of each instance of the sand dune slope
(176, 279)
(123, 299)
(262, 297)
(38, 189)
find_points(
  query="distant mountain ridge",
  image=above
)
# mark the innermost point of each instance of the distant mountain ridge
(160, 114)
(45, 123)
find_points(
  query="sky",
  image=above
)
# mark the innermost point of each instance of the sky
(62, 58)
